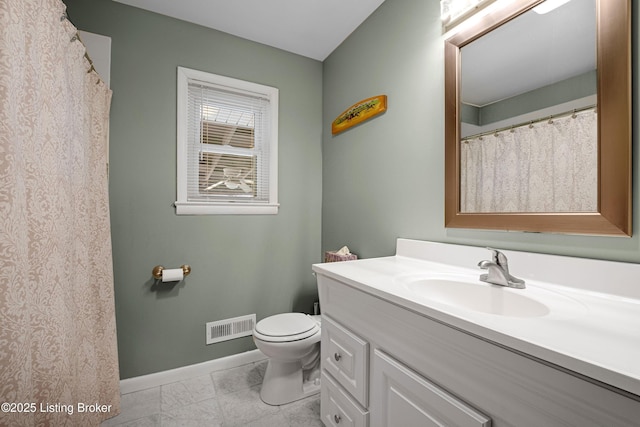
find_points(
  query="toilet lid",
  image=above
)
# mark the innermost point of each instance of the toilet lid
(286, 325)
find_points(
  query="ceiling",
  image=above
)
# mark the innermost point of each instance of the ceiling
(311, 28)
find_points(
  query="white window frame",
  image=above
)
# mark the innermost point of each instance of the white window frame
(183, 205)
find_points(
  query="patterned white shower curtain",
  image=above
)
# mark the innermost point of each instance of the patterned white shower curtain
(545, 167)
(58, 351)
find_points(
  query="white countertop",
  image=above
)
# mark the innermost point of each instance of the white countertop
(598, 336)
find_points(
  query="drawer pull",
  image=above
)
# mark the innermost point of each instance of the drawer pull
(337, 418)
(337, 356)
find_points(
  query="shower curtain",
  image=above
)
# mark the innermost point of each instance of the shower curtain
(549, 166)
(58, 351)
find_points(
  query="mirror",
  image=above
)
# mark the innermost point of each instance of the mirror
(530, 107)
(528, 122)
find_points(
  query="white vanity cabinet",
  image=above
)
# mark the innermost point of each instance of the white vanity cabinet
(386, 365)
(401, 397)
(345, 376)
(346, 357)
(338, 408)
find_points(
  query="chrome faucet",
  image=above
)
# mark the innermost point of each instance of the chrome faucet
(498, 271)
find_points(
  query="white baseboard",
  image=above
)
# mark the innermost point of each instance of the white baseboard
(143, 382)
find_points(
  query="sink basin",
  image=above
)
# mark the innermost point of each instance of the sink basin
(478, 296)
(470, 294)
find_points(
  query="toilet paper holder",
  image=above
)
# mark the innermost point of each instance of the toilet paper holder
(157, 271)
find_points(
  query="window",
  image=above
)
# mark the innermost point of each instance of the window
(227, 145)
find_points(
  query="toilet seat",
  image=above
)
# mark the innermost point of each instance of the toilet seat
(286, 327)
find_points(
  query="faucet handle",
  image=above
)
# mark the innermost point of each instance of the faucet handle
(494, 254)
(499, 258)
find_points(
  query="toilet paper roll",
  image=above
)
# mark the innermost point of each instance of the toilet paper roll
(172, 275)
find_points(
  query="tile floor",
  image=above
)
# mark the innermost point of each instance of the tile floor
(223, 398)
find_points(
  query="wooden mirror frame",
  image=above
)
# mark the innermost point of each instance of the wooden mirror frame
(614, 130)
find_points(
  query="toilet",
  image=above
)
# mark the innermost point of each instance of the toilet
(292, 343)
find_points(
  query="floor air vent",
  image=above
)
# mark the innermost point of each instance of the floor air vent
(228, 329)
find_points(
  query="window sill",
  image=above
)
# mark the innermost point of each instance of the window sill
(195, 208)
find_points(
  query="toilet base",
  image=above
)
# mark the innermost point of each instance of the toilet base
(284, 383)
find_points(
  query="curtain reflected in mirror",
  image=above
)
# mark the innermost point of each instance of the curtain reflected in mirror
(549, 166)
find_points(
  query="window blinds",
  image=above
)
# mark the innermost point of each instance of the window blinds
(227, 144)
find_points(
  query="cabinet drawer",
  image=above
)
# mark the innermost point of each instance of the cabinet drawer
(345, 356)
(337, 408)
(401, 397)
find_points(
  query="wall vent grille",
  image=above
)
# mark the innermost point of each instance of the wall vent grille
(228, 329)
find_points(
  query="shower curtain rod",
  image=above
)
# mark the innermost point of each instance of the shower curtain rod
(76, 37)
(530, 123)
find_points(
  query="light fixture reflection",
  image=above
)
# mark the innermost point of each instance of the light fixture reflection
(548, 6)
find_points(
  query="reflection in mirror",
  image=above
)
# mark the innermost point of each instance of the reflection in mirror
(528, 124)
(538, 119)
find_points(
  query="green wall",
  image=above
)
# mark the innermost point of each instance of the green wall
(241, 264)
(384, 178)
(568, 90)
